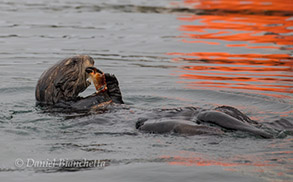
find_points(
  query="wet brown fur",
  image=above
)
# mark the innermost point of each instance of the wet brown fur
(64, 80)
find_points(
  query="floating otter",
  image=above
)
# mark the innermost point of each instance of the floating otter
(60, 85)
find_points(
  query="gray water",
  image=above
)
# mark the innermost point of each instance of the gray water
(166, 54)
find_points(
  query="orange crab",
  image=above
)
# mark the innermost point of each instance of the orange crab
(98, 78)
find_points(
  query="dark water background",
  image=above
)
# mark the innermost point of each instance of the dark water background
(165, 54)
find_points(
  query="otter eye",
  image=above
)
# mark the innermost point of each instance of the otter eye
(71, 62)
(74, 61)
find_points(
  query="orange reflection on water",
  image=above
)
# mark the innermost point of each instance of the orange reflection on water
(198, 161)
(251, 28)
(240, 26)
(237, 59)
(255, 21)
(264, 161)
(264, 5)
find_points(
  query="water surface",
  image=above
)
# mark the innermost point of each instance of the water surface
(165, 54)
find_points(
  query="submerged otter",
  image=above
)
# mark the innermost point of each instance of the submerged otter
(60, 85)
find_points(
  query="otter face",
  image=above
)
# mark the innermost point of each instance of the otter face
(64, 80)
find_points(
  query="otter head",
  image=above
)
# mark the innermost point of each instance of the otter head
(64, 80)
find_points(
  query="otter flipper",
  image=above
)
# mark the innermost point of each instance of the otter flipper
(112, 95)
(281, 126)
(232, 111)
(113, 88)
(226, 121)
(174, 126)
(91, 101)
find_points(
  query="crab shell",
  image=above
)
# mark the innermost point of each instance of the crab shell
(99, 81)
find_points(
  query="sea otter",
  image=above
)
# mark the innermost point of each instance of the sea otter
(61, 84)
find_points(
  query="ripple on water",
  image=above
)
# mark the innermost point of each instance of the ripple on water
(228, 53)
(257, 56)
